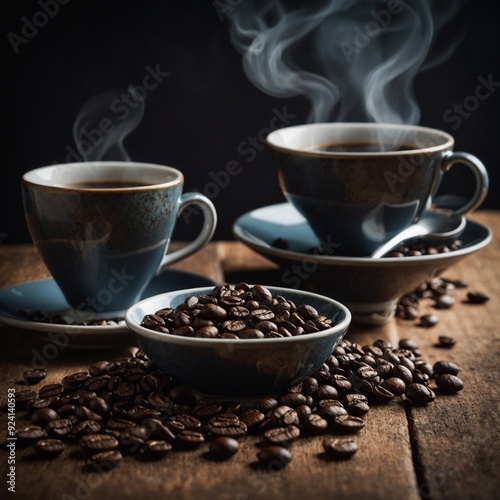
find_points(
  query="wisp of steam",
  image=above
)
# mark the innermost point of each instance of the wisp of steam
(104, 122)
(353, 60)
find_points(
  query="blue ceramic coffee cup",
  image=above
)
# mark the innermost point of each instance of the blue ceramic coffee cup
(103, 229)
(359, 184)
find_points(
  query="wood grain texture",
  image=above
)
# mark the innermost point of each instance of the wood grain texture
(448, 449)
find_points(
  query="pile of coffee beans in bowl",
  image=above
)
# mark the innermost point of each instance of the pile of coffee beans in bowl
(240, 312)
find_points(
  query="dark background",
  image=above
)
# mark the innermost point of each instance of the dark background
(199, 116)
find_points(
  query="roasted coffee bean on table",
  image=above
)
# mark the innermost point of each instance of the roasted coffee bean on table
(441, 291)
(239, 312)
(141, 411)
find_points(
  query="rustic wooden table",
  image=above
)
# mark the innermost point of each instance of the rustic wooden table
(448, 449)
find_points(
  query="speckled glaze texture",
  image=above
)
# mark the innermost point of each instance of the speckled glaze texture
(351, 201)
(102, 246)
(94, 244)
(239, 368)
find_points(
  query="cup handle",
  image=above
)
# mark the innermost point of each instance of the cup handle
(481, 177)
(209, 225)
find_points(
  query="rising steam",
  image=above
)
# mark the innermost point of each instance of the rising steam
(353, 60)
(104, 122)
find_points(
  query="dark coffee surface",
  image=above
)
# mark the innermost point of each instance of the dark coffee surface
(109, 184)
(355, 147)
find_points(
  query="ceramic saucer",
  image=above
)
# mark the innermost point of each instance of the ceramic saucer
(370, 288)
(19, 302)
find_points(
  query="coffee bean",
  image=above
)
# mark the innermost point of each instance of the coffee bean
(109, 458)
(155, 449)
(395, 385)
(419, 394)
(282, 435)
(358, 408)
(262, 294)
(349, 424)
(224, 447)
(283, 416)
(227, 424)
(449, 383)
(340, 449)
(59, 428)
(74, 380)
(49, 447)
(213, 312)
(441, 367)
(190, 439)
(381, 395)
(34, 376)
(477, 297)
(43, 416)
(444, 302)
(314, 423)
(446, 342)
(30, 433)
(98, 442)
(251, 417)
(293, 399)
(99, 368)
(331, 412)
(274, 456)
(403, 373)
(85, 427)
(24, 396)
(429, 320)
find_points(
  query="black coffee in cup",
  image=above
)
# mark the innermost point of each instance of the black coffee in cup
(356, 147)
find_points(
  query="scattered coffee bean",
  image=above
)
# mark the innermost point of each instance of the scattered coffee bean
(446, 342)
(477, 297)
(30, 433)
(34, 376)
(340, 449)
(449, 383)
(429, 320)
(98, 442)
(441, 367)
(111, 458)
(224, 447)
(49, 447)
(43, 416)
(349, 424)
(129, 407)
(282, 435)
(276, 456)
(190, 439)
(157, 449)
(419, 394)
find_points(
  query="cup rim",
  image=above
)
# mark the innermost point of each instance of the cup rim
(276, 139)
(40, 177)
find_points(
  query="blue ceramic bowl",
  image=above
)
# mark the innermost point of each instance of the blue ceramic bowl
(244, 367)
